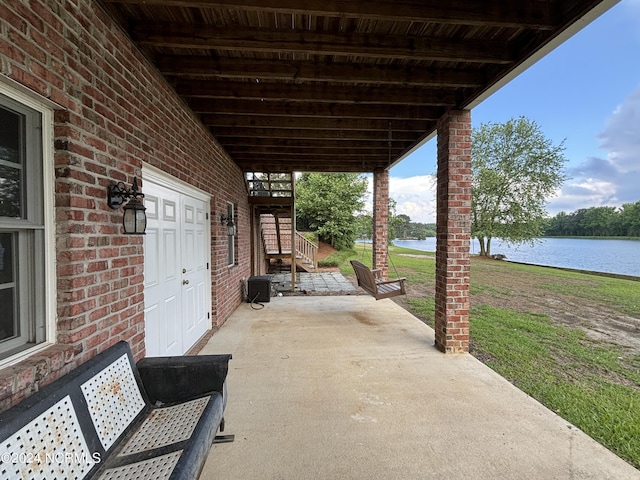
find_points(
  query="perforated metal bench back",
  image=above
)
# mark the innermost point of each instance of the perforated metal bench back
(113, 399)
(65, 430)
(52, 445)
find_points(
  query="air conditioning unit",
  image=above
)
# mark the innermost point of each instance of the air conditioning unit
(259, 289)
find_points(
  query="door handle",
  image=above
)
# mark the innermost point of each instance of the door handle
(185, 282)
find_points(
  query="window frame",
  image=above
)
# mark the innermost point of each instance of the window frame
(36, 250)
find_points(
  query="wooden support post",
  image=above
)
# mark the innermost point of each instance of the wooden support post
(293, 233)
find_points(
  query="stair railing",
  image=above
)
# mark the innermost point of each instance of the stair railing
(275, 240)
(306, 250)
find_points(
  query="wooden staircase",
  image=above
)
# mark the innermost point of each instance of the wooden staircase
(276, 239)
(272, 195)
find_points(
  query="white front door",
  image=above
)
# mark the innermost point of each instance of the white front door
(196, 281)
(177, 289)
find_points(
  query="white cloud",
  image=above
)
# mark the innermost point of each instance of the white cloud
(414, 196)
(587, 193)
(613, 180)
(621, 136)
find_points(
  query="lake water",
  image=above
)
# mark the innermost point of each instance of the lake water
(609, 256)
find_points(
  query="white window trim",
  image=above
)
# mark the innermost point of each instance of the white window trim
(45, 107)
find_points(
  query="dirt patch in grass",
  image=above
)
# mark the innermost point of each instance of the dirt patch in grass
(528, 292)
(535, 293)
(499, 284)
(324, 250)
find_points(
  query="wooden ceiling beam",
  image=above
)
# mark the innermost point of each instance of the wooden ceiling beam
(311, 144)
(329, 164)
(269, 77)
(324, 93)
(224, 132)
(314, 109)
(319, 123)
(287, 157)
(498, 13)
(264, 40)
(303, 153)
(327, 167)
(296, 161)
(239, 68)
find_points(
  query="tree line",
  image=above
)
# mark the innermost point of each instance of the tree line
(400, 226)
(331, 206)
(596, 222)
(515, 169)
(405, 229)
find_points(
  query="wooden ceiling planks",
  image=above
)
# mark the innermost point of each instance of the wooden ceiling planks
(336, 85)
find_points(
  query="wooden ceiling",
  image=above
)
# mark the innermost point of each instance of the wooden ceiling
(339, 85)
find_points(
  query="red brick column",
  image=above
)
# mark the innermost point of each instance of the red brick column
(453, 232)
(381, 220)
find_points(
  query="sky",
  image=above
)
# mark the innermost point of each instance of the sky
(585, 92)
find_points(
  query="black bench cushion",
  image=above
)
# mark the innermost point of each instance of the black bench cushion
(171, 379)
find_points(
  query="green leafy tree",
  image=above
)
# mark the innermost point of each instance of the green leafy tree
(515, 168)
(559, 226)
(420, 231)
(630, 219)
(597, 221)
(364, 222)
(394, 222)
(403, 227)
(328, 203)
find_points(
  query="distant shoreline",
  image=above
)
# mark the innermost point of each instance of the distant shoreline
(578, 237)
(618, 256)
(577, 270)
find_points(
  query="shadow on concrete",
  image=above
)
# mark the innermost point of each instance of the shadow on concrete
(344, 387)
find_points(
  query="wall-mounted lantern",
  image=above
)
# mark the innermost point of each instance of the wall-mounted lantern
(134, 219)
(227, 220)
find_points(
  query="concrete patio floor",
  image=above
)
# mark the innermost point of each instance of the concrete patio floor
(319, 283)
(345, 387)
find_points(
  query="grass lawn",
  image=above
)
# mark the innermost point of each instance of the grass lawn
(594, 383)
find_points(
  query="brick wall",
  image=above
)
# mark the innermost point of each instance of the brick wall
(381, 221)
(116, 113)
(453, 225)
(227, 288)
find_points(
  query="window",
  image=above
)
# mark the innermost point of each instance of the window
(231, 239)
(23, 244)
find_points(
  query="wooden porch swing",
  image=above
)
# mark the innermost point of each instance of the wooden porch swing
(371, 280)
(374, 284)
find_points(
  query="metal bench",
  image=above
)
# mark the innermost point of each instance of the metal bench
(372, 282)
(110, 419)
